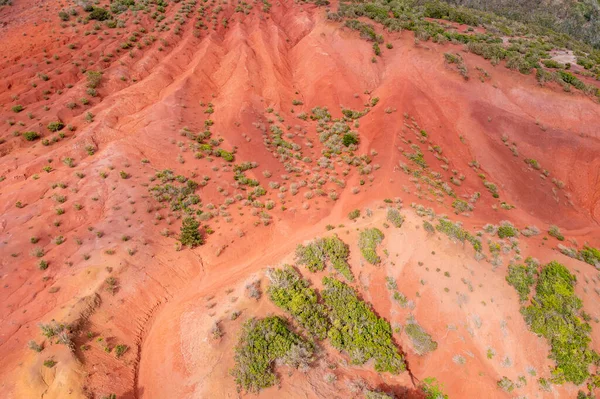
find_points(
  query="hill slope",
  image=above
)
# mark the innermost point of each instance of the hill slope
(271, 125)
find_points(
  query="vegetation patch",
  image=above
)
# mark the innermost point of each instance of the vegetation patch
(368, 241)
(358, 331)
(522, 277)
(190, 235)
(456, 232)
(433, 389)
(554, 314)
(394, 217)
(292, 293)
(329, 249)
(262, 343)
(177, 190)
(421, 340)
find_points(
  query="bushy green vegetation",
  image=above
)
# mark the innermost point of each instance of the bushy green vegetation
(579, 19)
(292, 293)
(368, 241)
(394, 217)
(354, 214)
(553, 314)
(190, 235)
(528, 46)
(506, 384)
(99, 14)
(31, 136)
(177, 190)
(55, 126)
(261, 344)
(461, 206)
(93, 79)
(456, 232)
(522, 277)
(421, 340)
(590, 255)
(554, 231)
(357, 330)
(433, 389)
(507, 230)
(322, 250)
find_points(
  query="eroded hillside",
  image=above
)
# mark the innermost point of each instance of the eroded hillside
(385, 185)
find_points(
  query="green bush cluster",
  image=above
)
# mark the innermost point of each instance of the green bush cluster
(529, 44)
(461, 206)
(456, 232)
(292, 293)
(357, 330)
(433, 389)
(590, 255)
(554, 231)
(522, 277)
(507, 230)
(190, 235)
(31, 136)
(55, 126)
(240, 176)
(554, 314)
(322, 250)
(367, 242)
(354, 214)
(261, 344)
(394, 217)
(366, 31)
(421, 340)
(99, 14)
(180, 196)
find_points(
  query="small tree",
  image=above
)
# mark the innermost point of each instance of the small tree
(190, 235)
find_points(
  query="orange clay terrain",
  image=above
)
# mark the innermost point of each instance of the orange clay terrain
(223, 112)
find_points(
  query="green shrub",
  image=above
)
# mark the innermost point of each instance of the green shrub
(330, 249)
(358, 331)
(428, 227)
(507, 230)
(522, 277)
(56, 126)
(552, 64)
(590, 255)
(227, 156)
(461, 206)
(506, 384)
(554, 314)
(533, 163)
(17, 108)
(367, 242)
(421, 340)
(99, 14)
(394, 217)
(292, 293)
(93, 79)
(571, 79)
(554, 231)
(355, 214)
(350, 138)
(376, 395)
(190, 235)
(456, 232)
(180, 197)
(31, 136)
(433, 389)
(261, 344)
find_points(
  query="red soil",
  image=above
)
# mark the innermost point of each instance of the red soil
(161, 307)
